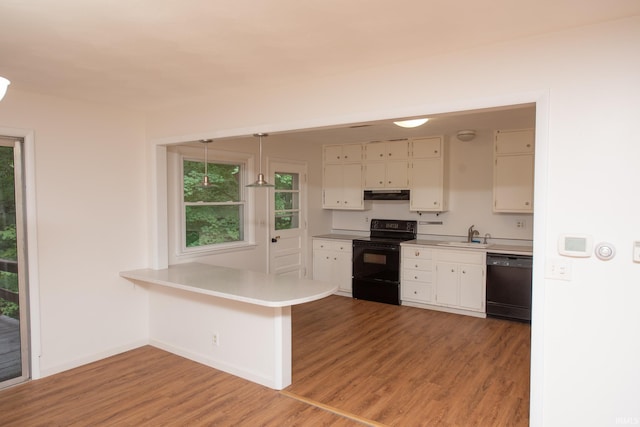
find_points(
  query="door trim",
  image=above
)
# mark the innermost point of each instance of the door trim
(30, 218)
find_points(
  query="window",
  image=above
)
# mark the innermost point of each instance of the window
(213, 217)
(287, 201)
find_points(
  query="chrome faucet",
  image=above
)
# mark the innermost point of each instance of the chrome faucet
(472, 233)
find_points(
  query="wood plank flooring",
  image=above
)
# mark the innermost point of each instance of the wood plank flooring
(395, 366)
(404, 366)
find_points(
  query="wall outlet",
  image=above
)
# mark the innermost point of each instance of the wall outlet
(215, 340)
(521, 223)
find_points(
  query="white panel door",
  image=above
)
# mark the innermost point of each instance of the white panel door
(288, 224)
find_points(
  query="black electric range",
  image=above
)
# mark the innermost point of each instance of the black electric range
(376, 260)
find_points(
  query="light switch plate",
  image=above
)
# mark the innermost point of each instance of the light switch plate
(636, 251)
(558, 269)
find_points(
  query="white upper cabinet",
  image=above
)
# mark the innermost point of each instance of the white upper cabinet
(342, 177)
(386, 165)
(513, 170)
(422, 148)
(427, 175)
(346, 153)
(386, 150)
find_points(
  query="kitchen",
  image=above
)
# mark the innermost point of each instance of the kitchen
(470, 183)
(582, 78)
(466, 181)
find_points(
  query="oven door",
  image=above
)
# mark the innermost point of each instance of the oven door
(376, 261)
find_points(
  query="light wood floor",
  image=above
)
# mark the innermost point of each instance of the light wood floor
(395, 366)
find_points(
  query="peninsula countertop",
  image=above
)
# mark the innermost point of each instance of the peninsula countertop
(246, 286)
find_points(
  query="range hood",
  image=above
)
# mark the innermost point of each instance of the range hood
(386, 194)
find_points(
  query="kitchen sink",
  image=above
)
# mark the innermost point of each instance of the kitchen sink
(465, 245)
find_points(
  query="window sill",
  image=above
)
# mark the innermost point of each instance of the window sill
(232, 247)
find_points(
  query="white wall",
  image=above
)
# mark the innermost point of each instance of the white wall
(90, 171)
(585, 346)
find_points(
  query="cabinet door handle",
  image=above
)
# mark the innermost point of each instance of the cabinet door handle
(464, 272)
(452, 270)
(415, 292)
(380, 182)
(417, 253)
(381, 154)
(389, 154)
(415, 277)
(526, 203)
(416, 265)
(389, 182)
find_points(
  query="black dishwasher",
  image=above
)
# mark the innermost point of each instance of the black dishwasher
(509, 286)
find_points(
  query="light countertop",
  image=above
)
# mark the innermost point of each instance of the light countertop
(338, 236)
(492, 248)
(240, 285)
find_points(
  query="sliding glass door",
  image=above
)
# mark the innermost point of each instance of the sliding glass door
(14, 351)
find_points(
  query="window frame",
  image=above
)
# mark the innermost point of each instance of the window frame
(215, 157)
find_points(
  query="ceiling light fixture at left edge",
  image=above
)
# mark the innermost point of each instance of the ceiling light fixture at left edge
(4, 84)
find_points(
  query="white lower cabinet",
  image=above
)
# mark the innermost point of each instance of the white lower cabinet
(444, 278)
(332, 260)
(417, 275)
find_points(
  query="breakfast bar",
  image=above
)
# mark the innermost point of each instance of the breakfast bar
(237, 321)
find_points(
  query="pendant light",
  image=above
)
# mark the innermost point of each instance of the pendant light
(205, 178)
(260, 182)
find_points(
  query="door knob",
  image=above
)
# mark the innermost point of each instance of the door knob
(275, 239)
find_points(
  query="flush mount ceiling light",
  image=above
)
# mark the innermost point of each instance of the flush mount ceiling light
(466, 135)
(413, 123)
(260, 182)
(205, 178)
(4, 83)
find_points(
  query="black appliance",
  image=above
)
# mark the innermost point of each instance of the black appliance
(376, 260)
(386, 194)
(509, 286)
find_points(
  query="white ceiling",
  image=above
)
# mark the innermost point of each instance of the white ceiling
(150, 53)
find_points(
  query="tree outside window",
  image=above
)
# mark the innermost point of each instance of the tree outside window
(213, 215)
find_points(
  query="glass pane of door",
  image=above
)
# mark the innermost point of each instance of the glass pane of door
(13, 333)
(286, 201)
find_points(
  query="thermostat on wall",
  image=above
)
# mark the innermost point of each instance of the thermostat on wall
(575, 245)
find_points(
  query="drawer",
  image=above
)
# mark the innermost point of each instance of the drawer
(417, 275)
(461, 257)
(417, 292)
(416, 252)
(417, 264)
(332, 245)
